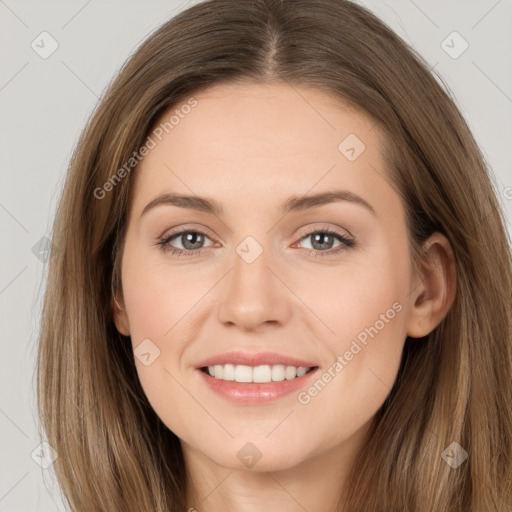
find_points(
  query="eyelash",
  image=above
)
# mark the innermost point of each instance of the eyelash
(347, 243)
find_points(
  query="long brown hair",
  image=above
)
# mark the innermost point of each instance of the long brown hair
(454, 385)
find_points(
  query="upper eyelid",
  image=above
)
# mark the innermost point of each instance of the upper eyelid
(181, 230)
(326, 228)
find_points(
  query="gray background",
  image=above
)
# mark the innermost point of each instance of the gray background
(44, 104)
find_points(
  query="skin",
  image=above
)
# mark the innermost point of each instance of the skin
(250, 147)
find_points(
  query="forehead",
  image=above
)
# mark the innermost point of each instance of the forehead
(259, 138)
(254, 111)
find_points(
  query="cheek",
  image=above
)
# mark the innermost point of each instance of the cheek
(160, 304)
(363, 300)
(365, 357)
(365, 308)
(158, 297)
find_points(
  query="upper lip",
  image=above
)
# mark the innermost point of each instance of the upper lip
(254, 359)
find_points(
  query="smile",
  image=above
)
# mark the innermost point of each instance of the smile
(255, 374)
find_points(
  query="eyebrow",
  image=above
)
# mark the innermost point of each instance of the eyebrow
(292, 204)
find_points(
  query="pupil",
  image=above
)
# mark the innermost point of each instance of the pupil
(190, 237)
(319, 236)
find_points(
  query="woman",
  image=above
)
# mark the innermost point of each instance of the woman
(205, 351)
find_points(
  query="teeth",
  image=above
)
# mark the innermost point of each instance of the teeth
(228, 372)
(301, 371)
(242, 373)
(263, 373)
(278, 373)
(290, 372)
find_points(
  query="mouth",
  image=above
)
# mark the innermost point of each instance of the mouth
(255, 377)
(255, 384)
(260, 374)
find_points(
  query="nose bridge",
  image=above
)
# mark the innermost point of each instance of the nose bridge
(251, 276)
(251, 261)
(253, 295)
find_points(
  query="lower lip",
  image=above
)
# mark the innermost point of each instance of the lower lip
(255, 392)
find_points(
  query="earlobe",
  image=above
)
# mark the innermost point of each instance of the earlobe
(434, 291)
(119, 315)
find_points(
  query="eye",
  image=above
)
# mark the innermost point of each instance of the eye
(323, 240)
(191, 241)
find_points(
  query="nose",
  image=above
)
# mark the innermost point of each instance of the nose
(253, 296)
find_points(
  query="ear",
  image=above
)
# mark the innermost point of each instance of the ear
(119, 314)
(434, 288)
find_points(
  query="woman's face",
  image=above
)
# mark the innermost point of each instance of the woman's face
(305, 264)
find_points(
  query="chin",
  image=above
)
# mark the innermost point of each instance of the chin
(258, 456)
